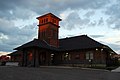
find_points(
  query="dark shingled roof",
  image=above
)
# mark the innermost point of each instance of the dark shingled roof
(79, 42)
(36, 43)
(72, 43)
(15, 53)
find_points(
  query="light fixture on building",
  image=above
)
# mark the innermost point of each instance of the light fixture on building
(101, 49)
(110, 54)
(96, 49)
(52, 54)
(66, 53)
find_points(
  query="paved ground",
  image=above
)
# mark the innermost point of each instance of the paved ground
(44, 73)
(116, 70)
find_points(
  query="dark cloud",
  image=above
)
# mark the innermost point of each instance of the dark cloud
(74, 21)
(101, 22)
(12, 36)
(114, 19)
(97, 36)
(42, 6)
(10, 10)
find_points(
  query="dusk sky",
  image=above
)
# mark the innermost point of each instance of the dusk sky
(99, 19)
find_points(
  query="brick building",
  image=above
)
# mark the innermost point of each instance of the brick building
(49, 50)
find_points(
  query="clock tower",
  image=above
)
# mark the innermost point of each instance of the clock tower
(48, 29)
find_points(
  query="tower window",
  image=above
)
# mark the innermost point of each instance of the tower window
(54, 34)
(46, 19)
(42, 21)
(55, 21)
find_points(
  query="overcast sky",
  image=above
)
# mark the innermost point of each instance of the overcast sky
(99, 19)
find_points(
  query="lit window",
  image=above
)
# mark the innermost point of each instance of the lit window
(89, 55)
(52, 56)
(96, 49)
(101, 49)
(67, 56)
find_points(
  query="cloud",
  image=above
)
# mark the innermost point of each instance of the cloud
(12, 36)
(92, 23)
(3, 53)
(97, 36)
(114, 16)
(73, 20)
(14, 33)
(101, 22)
(2, 36)
(117, 42)
(7, 7)
(115, 47)
(89, 14)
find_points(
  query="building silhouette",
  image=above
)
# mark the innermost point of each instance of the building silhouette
(49, 50)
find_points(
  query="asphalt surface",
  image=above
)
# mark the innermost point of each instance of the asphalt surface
(45, 73)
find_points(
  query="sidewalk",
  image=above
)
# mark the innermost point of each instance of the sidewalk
(69, 67)
(116, 70)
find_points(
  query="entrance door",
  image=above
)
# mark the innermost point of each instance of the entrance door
(52, 59)
(42, 58)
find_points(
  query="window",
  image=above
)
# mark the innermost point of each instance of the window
(43, 34)
(30, 56)
(53, 34)
(77, 56)
(89, 55)
(55, 21)
(46, 19)
(52, 56)
(67, 56)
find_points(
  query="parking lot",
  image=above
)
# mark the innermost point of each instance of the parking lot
(48, 73)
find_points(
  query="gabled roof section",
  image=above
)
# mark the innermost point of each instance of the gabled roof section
(79, 42)
(36, 43)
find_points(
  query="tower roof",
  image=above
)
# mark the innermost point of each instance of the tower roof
(49, 14)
